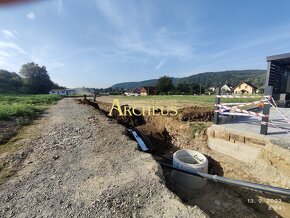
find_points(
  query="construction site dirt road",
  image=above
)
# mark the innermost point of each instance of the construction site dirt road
(78, 163)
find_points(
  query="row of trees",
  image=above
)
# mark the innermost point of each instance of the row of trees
(165, 87)
(33, 79)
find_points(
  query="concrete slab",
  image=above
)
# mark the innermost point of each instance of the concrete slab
(240, 138)
(250, 126)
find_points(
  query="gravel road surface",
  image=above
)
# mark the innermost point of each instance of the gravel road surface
(83, 165)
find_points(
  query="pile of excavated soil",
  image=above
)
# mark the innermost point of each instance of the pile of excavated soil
(195, 113)
(128, 121)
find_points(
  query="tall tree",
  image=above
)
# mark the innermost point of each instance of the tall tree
(10, 82)
(36, 78)
(164, 85)
(183, 88)
(196, 89)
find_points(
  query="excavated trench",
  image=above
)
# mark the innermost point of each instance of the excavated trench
(166, 134)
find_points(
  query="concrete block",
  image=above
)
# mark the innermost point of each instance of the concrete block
(232, 138)
(254, 141)
(219, 135)
(210, 132)
(227, 136)
(240, 151)
(238, 138)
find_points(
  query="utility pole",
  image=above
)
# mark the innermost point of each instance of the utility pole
(216, 118)
(199, 88)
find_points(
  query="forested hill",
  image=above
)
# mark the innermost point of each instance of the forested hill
(132, 85)
(233, 77)
(10, 82)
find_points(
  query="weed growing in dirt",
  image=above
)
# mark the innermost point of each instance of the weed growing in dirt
(13, 106)
(197, 128)
(20, 110)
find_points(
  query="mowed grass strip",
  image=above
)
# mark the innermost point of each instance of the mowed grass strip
(200, 100)
(13, 106)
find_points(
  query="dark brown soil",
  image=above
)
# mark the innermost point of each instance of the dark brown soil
(195, 113)
(7, 129)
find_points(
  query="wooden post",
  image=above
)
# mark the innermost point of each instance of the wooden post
(266, 111)
(217, 101)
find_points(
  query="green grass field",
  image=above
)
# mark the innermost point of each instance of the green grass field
(201, 100)
(13, 106)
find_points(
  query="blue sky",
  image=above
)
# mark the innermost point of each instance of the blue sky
(97, 43)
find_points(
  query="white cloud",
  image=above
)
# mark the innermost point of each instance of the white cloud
(11, 54)
(2, 62)
(132, 32)
(253, 42)
(31, 16)
(74, 53)
(12, 46)
(158, 48)
(8, 34)
(111, 12)
(4, 54)
(159, 65)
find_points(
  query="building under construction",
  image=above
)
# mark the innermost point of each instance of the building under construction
(278, 76)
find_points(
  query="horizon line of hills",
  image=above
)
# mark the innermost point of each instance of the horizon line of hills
(9, 81)
(207, 79)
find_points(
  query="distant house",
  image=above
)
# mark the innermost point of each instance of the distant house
(62, 91)
(132, 92)
(245, 88)
(226, 88)
(147, 90)
(70, 92)
(58, 91)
